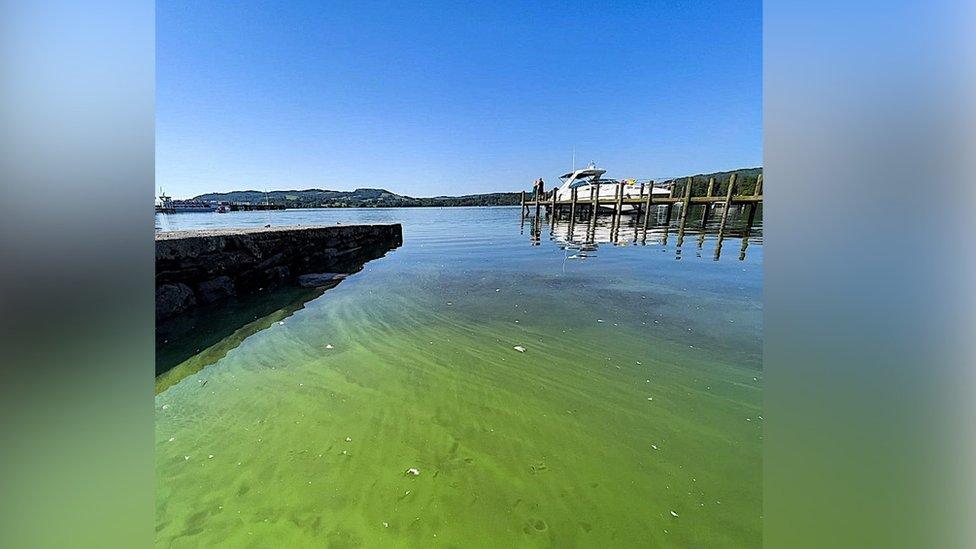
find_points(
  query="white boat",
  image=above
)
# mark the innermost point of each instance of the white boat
(588, 179)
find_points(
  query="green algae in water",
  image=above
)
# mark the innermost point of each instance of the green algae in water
(640, 430)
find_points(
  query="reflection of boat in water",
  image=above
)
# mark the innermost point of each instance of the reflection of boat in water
(587, 180)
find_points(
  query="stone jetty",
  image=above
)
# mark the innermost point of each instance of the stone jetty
(195, 268)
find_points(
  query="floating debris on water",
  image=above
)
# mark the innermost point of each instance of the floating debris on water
(654, 446)
(413, 471)
(281, 323)
(329, 346)
(673, 514)
(519, 348)
(386, 525)
(348, 439)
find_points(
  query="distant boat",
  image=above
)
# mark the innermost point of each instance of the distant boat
(168, 205)
(589, 177)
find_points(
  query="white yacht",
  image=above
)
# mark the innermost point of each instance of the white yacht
(589, 178)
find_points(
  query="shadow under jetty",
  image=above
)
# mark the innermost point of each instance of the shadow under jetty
(188, 343)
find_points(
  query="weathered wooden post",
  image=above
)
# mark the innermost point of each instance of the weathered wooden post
(685, 205)
(553, 203)
(708, 205)
(572, 213)
(595, 196)
(618, 206)
(725, 216)
(759, 182)
(667, 215)
(523, 204)
(647, 207)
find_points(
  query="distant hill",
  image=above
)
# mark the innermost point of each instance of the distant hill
(382, 198)
(359, 198)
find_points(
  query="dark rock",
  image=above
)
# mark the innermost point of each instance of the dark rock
(216, 289)
(315, 280)
(172, 299)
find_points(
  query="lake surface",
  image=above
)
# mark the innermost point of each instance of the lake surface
(632, 418)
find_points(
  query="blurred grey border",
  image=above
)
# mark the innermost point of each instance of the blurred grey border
(76, 249)
(869, 299)
(869, 274)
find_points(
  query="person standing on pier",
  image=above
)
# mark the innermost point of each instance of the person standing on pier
(540, 189)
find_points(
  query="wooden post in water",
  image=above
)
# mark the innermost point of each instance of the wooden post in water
(725, 216)
(685, 205)
(523, 204)
(667, 215)
(751, 219)
(647, 206)
(595, 195)
(538, 200)
(618, 207)
(708, 205)
(572, 213)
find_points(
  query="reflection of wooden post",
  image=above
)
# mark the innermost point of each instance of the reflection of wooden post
(538, 200)
(554, 202)
(685, 205)
(725, 216)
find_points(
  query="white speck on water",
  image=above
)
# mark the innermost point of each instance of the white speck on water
(498, 289)
(413, 471)
(210, 456)
(329, 346)
(673, 514)
(386, 525)
(638, 363)
(654, 446)
(599, 320)
(171, 439)
(186, 458)
(165, 406)
(345, 453)
(348, 439)
(748, 419)
(519, 348)
(281, 323)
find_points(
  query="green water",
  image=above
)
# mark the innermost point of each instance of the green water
(632, 418)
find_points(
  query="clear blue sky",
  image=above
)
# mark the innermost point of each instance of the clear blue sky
(451, 98)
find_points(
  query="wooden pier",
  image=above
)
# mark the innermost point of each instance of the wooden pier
(585, 204)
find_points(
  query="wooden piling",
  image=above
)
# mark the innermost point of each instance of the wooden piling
(647, 206)
(759, 182)
(708, 205)
(685, 205)
(523, 204)
(725, 216)
(572, 214)
(618, 206)
(595, 196)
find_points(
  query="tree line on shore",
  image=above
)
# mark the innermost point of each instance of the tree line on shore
(382, 198)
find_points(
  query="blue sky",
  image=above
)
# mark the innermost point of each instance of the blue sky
(451, 98)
